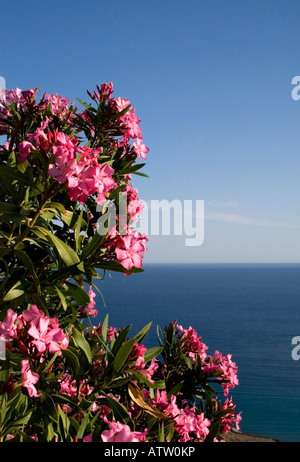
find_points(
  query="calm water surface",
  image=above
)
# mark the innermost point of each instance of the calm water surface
(250, 311)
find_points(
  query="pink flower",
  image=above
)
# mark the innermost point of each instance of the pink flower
(230, 418)
(68, 386)
(46, 337)
(192, 344)
(190, 425)
(121, 433)
(7, 326)
(39, 138)
(24, 147)
(59, 104)
(88, 438)
(29, 379)
(161, 402)
(107, 90)
(89, 309)
(130, 251)
(33, 314)
(66, 168)
(224, 368)
(140, 149)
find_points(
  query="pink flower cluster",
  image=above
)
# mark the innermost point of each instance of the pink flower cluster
(224, 368)
(139, 364)
(188, 424)
(219, 365)
(192, 344)
(131, 127)
(230, 418)
(130, 249)
(29, 379)
(121, 433)
(84, 177)
(129, 122)
(33, 329)
(82, 169)
(90, 309)
(32, 334)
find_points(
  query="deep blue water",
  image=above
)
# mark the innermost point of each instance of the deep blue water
(250, 311)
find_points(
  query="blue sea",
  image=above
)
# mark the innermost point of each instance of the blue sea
(250, 311)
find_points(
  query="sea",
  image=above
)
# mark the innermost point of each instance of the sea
(251, 311)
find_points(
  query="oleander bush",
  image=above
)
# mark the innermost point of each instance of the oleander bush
(68, 210)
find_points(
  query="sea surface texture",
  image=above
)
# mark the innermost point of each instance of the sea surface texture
(250, 311)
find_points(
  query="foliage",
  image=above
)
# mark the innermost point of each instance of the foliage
(68, 209)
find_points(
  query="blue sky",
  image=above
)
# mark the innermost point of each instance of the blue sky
(211, 83)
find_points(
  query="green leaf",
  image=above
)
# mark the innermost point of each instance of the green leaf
(119, 340)
(140, 336)
(187, 361)
(213, 433)
(133, 168)
(104, 328)
(7, 207)
(62, 298)
(176, 389)
(161, 432)
(117, 267)
(80, 295)
(16, 291)
(55, 207)
(93, 245)
(119, 411)
(123, 354)
(152, 353)
(82, 343)
(4, 251)
(84, 423)
(9, 175)
(66, 253)
(71, 356)
(159, 384)
(27, 262)
(63, 424)
(4, 373)
(121, 113)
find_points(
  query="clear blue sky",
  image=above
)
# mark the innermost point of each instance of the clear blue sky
(211, 82)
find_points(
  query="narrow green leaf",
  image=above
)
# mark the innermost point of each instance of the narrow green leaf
(123, 354)
(119, 340)
(10, 175)
(80, 295)
(104, 328)
(16, 291)
(71, 356)
(93, 245)
(62, 298)
(159, 384)
(119, 411)
(214, 431)
(84, 423)
(66, 253)
(82, 343)
(152, 353)
(27, 262)
(140, 336)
